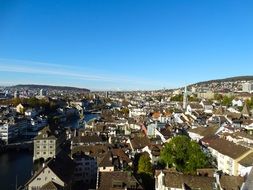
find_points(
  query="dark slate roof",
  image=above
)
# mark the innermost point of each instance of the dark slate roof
(247, 160)
(106, 160)
(119, 180)
(196, 106)
(92, 150)
(87, 139)
(155, 149)
(139, 142)
(45, 131)
(62, 166)
(166, 132)
(121, 155)
(177, 180)
(51, 186)
(205, 131)
(225, 147)
(231, 182)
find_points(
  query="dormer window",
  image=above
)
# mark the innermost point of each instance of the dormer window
(44, 135)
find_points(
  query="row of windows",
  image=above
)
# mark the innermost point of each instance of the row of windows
(45, 153)
(45, 141)
(44, 147)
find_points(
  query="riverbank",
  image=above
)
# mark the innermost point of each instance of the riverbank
(18, 164)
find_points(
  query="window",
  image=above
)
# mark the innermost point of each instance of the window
(44, 152)
(51, 146)
(44, 147)
(38, 152)
(87, 163)
(51, 152)
(45, 141)
(38, 178)
(38, 146)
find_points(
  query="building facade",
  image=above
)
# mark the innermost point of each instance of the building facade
(47, 144)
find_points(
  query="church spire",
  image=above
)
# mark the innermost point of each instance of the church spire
(245, 110)
(185, 100)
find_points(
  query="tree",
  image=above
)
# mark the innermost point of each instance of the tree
(183, 154)
(145, 172)
(144, 165)
(249, 102)
(193, 98)
(227, 101)
(16, 101)
(218, 97)
(177, 98)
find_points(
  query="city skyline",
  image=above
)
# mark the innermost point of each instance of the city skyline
(123, 44)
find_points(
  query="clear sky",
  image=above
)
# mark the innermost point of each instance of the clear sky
(124, 44)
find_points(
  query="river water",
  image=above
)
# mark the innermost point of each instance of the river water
(16, 166)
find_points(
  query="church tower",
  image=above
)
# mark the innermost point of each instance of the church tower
(185, 100)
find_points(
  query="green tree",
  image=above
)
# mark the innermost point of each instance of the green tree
(183, 154)
(177, 98)
(249, 103)
(16, 101)
(145, 172)
(144, 165)
(193, 98)
(218, 97)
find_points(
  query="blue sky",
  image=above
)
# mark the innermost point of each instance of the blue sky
(124, 44)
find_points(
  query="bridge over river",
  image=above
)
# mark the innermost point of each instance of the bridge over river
(26, 145)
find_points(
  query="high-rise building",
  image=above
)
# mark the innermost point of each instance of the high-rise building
(247, 87)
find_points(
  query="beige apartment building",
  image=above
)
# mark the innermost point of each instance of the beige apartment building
(47, 144)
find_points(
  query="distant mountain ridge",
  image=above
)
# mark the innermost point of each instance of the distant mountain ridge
(230, 79)
(50, 87)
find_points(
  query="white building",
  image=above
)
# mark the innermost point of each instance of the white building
(8, 132)
(228, 155)
(30, 113)
(237, 102)
(136, 112)
(247, 87)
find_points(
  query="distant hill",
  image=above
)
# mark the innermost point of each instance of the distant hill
(230, 79)
(49, 87)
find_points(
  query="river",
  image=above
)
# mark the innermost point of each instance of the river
(14, 165)
(18, 164)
